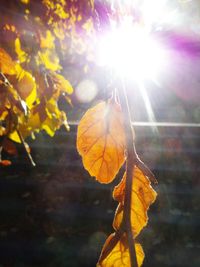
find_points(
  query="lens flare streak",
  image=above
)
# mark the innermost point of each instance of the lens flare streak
(148, 106)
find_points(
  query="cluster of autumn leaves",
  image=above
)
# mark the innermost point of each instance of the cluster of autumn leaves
(34, 41)
(29, 100)
(102, 145)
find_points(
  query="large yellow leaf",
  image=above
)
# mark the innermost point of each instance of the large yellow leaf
(101, 141)
(7, 65)
(26, 86)
(119, 256)
(143, 195)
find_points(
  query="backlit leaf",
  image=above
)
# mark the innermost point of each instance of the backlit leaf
(7, 65)
(14, 137)
(51, 125)
(22, 55)
(119, 256)
(101, 141)
(143, 195)
(60, 84)
(26, 86)
(49, 59)
(3, 114)
(33, 124)
(47, 40)
(55, 117)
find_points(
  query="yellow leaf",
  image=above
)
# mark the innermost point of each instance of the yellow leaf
(2, 130)
(49, 59)
(51, 125)
(47, 41)
(58, 8)
(26, 86)
(22, 55)
(26, 126)
(59, 30)
(88, 26)
(143, 195)
(7, 65)
(34, 122)
(61, 84)
(3, 114)
(101, 141)
(14, 137)
(53, 118)
(52, 109)
(119, 256)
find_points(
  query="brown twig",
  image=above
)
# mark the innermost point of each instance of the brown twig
(27, 152)
(130, 163)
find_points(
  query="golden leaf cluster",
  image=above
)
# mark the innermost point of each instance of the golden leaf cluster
(101, 141)
(33, 47)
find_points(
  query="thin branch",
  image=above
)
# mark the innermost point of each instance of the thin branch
(127, 213)
(27, 152)
(131, 162)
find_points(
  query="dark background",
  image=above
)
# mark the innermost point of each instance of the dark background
(56, 215)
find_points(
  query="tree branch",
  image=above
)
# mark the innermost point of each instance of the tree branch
(130, 163)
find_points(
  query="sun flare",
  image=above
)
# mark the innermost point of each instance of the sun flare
(131, 52)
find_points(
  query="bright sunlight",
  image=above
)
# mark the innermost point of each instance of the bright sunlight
(130, 51)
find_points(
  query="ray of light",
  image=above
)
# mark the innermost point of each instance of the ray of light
(148, 106)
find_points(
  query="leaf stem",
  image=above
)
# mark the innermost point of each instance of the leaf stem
(130, 163)
(25, 148)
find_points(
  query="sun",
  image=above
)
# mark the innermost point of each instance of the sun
(131, 52)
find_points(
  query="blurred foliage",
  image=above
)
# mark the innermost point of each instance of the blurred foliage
(38, 39)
